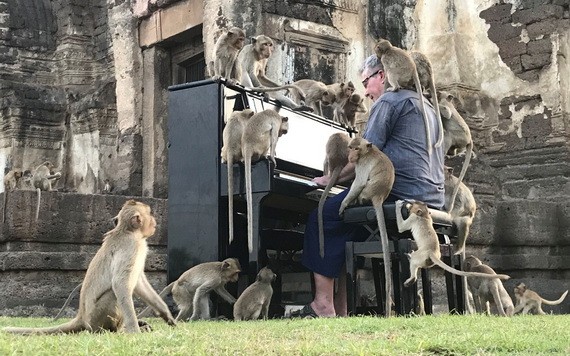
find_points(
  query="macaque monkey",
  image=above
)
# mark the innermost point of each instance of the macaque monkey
(226, 52)
(528, 300)
(425, 74)
(192, 289)
(253, 60)
(353, 105)
(259, 138)
(463, 212)
(420, 223)
(487, 290)
(372, 183)
(67, 301)
(255, 299)
(43, 178)
(335, 160)
(231, 152)
(113, 276)
(421, 309)
(316, 94)
(11, 182)
(342, 92)
(107, 186)
(401, 72)
(456, 136)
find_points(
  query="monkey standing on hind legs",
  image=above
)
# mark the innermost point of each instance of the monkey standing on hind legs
(231, 152)
(260, 136)
(372, 183)
(115, 274)
(428, 253)
(529, 300)
(192, 289)
(353, 105)
(43, 178)
(255, 299)
(457, 136)
(342, 92)
(253, 60)
(401, 72)
(335, 160)
(487, 290)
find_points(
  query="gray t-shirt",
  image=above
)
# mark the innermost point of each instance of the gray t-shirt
(396, 127)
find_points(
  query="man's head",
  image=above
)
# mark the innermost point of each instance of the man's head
(372, 75)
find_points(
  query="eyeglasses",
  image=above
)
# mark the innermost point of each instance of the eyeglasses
(365, 81)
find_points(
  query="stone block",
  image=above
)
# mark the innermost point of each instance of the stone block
(540, 46)
(503, 32)
(514, 63)
(543, 28)
(535, 61)
(497, 13)
(538, 13)
(511, 48)
(530, 75)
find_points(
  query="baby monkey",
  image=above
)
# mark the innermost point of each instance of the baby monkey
(529, 301)
(255, 299)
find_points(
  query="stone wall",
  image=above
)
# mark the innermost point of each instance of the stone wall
(83, 84)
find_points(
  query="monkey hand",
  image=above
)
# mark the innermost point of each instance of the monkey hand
(169, 320)
(266, 97)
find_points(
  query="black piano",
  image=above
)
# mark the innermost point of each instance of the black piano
(197, 198)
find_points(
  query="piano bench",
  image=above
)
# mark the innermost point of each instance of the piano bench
(287, 244)
(405, 299)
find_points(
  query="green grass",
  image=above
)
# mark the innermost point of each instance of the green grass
(444, 334)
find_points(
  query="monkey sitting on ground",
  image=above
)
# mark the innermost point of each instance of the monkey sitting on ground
(335, 160)
(259, 138)
(113, 276)
(428, 253)
(316, 94)
(456, 135)
(353, 105)
(226, 52)
(401, 72)
(253, 60)
(231, 152)
(255, 299)
(192, 289)
(487, 290)
(372, 183)
(463, 211)
(43, 178)
(529, 301)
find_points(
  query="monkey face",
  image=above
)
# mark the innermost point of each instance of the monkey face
(420, 209)
(520, 289)
(284, 128)
(382, 46)
(349, 89)
(264, 46)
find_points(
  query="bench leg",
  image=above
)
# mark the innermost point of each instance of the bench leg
(408, 294)
(426, 291)
(379, 285)
(350, 279)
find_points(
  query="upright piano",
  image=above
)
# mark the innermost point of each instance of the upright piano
(197, 194)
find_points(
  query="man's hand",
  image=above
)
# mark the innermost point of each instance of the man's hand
(321, 181)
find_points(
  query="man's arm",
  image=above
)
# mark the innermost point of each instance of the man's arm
(346, 174)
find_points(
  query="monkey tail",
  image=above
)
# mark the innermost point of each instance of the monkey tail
(332, 181)
(282, 87)
(71, 295)
(468, 155)
(38, 203)
(450, 269)
(248, 198)
(435, 102)
(377, 203)
(163, 293)
(72, 326)
(555, 302)
(230, 166)
(422, 108)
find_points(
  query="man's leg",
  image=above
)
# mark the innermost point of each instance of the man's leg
(340, 304)
(324, 295)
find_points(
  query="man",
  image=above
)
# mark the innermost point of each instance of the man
(397, 128)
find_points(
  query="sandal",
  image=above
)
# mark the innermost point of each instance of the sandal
(306, 312)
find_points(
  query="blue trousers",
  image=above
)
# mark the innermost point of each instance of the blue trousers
(336, 233)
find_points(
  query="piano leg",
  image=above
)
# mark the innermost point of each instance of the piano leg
(254, 258)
